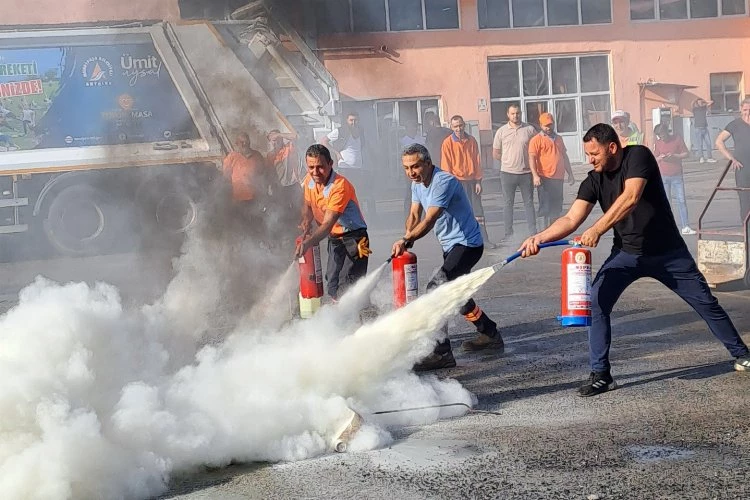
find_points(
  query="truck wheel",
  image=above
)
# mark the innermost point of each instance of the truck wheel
(166, 212)
(81, 220)
(175, 212)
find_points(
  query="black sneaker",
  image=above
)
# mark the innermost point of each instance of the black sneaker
(484, 341)
(599, 382)
(435, 362)
(742, 364)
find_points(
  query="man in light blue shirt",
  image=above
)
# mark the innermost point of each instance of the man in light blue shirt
(448, 211)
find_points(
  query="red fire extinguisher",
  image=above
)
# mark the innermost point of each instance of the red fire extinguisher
(405, 279)
(576, 287)
(310, 281)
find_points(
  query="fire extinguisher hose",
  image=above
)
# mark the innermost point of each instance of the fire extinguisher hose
(558, 243)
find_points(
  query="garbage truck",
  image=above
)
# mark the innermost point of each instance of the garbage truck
(107, 131)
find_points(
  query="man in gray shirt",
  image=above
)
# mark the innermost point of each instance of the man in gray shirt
(511, 149)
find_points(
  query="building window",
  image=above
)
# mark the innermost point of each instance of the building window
(208, 9)
(334, 16)
(441, 14)
(368, 16)
(575, 89)
(394, 115)
(530, 13)
(364, 16)
(725, 92)
(644, 10)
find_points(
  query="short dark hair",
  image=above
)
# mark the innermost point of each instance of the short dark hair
(458, 117)
(417, 149)
(603, 134)
(318, 150)
(352, 113)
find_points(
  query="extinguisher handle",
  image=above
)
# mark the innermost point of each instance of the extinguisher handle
(557, 243)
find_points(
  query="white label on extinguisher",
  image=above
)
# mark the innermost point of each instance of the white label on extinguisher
(579, 287)
(411, 282)
(318, 265)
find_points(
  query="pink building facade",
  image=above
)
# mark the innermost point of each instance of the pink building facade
(608, 56)
(394, 60)
(20, 12)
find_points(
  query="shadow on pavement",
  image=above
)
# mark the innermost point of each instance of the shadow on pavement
(699, 372)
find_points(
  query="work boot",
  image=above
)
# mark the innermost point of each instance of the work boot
(436, 361)
(484, 341)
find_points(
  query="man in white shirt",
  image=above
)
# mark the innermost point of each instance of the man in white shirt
(347, 143)
(511, 149)
(348, 146)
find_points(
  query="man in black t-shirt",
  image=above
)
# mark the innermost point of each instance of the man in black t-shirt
(739, 130)
(435, 135)
(700, 126)
(628, 187)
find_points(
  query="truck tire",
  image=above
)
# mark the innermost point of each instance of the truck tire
(166, 210)
(175, 211)
(82, 220)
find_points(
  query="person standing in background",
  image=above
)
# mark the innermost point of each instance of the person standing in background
(549, 156)
(284, 159)
(739, 130)
(411, 136)
(700, 125)
(349, 145)
(626, 130)
(246, 170)
(669, 151)
(511, 149)
(461, 158)
(435, 135)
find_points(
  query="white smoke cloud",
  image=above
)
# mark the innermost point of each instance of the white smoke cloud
(99, 401)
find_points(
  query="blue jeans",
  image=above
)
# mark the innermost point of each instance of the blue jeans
(678, 272)
(703, 138)
(675, 184)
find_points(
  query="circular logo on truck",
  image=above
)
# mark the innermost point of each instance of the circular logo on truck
(97, 71)
(125, 102)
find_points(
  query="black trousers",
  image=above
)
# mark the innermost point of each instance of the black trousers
(742, 179)
(474, 198)
(459, 261)
(345, 266)
(510, 184)
(550, 199)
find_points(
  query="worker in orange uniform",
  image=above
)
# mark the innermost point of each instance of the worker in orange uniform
(460, 157)
(284, 161)
(330, 200)
(246, 170)
(547, 151)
